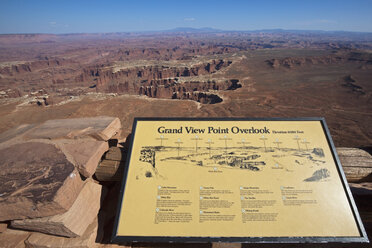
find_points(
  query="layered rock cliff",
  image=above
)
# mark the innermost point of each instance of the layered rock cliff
(104, 74)
(14, 69)
(162, 81)
(340, 57)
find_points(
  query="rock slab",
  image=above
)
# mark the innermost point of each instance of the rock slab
(357, 164)
(101, 128)
(13, 238)
(36, 180)
(87, 240)
(3, 227)
(72, 223)
(86, 154)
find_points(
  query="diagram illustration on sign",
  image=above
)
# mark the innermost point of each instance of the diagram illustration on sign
(220, 155)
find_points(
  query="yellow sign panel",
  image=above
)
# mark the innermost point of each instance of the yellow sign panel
(236, 179)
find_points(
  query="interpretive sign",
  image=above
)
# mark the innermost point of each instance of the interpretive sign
(238, 180)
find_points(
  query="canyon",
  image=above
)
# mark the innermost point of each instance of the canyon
(202, 74)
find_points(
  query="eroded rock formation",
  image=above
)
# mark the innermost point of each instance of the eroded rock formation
(106, 74)
(163, 81)
(19, 68)
(351, 83)
(291, 62)
(340, 57)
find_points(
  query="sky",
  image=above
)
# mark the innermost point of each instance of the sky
(65, 16)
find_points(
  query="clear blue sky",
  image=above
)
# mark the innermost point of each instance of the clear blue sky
(65, 16)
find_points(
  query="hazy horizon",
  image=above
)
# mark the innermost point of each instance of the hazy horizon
(190, 30)
(52, 17)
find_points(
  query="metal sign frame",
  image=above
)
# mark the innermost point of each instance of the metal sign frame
(185, 239)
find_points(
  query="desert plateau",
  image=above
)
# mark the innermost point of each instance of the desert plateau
(190, 74)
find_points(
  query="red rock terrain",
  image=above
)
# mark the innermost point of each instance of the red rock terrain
(161, 81)
(365, 60)
(246, 74)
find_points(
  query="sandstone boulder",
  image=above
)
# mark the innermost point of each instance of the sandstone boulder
(72, 223)
(85, 154)
(13, 238)
(356, 163)
(88, 239)
(36, 180)
(3, 227)
(100, 128)
(112, 165)
(361, 189)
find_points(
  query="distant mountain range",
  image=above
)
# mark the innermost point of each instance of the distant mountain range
(278, 30)
(208, 30)
(194, 30)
